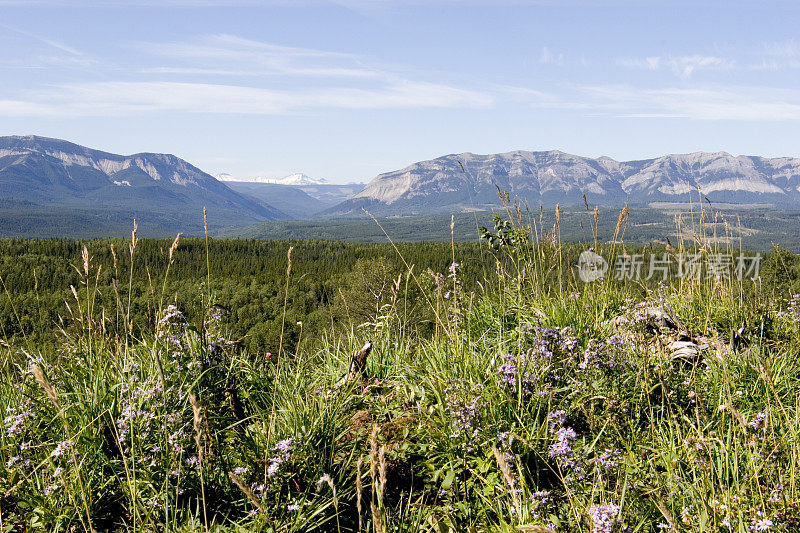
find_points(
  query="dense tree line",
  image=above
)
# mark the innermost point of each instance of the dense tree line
(330, 283)
(47, 284)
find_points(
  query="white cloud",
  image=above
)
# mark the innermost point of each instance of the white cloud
(789, 49)
(126, 98)
(701, 103)
(231, 54)
(683, 66)
(717, 103)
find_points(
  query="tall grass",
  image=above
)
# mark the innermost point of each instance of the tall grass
(538, 403)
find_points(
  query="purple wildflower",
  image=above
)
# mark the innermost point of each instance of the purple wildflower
(284, 446)
(764, 524)
(604, 517)
(561, 450)
(61, 448)
(283, 449)
(607, 458)
(464, 405)
(15, 422)
(556, 419)
(758, 420)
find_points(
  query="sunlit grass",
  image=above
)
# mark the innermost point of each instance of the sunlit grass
(531, 404)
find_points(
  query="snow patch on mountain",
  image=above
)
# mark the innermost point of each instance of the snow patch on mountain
(296, 179)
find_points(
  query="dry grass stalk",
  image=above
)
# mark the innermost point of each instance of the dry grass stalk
(174, 247)
(557, 225)
(667, 515)
(507, 476)
(48, 388)
(373, 456)
(114, 256)
(535, 529)
(382, 470)
(326, 479)
(77, 304)
(735, 413)
(247, 492)
(359, 489)
(41, 379)
(198, 425)
(132, 245)
(14, 488)
(377, 522)
(202, 433)
(504, 468)
(198, 438)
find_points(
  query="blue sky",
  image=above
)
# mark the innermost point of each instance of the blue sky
(350, 88)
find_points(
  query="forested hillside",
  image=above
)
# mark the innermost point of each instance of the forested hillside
(246, 277)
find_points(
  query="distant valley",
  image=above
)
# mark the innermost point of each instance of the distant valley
(301, 201)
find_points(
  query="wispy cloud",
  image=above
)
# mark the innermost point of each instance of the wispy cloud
(789, 48)
(709, 103)
(126, 98)
(547, 57)
(44, 40)
(43, 52)
(296, 80)
(231, 54)
(743, 103)
(773, 56)
(683, 66)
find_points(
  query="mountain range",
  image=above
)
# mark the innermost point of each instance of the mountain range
(50, 187)
(470, 182)
(39, 175)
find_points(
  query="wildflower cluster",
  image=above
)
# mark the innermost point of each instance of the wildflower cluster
(791, 312)
(603, 354)
(758, 420)
(17, 418)
(155, 421)
(172, 331)
(464, 404)
(452, 275)
(282, 451)
(215, 337)
(561, 450)
(524, 372)
(19, 425)
(604, 518)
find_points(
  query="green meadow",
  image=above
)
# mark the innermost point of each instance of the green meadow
(500, 385)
